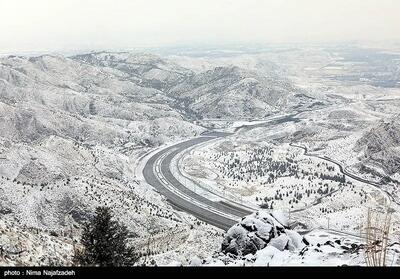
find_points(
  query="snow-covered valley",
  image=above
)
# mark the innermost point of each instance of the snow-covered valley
(293, 131)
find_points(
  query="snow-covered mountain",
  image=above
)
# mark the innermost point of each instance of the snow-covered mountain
(220, 91)
(233, 92)
(71, 134)
(51, 95)
(73, 128)
(380, 146)
(147, 70)
(74, 132)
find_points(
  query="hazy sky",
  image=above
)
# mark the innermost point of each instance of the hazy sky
(77, 24)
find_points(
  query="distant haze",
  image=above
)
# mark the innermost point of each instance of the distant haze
(107, 24)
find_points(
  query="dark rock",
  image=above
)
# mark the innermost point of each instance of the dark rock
(305, 249)
(330, 243)
(255, 232)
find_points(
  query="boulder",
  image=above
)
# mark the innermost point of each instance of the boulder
(258, 230)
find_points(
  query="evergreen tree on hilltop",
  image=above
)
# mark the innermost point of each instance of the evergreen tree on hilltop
(104, 242)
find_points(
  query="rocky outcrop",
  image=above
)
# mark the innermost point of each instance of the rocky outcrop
(381, 146)
(256, 231)
(264, 239)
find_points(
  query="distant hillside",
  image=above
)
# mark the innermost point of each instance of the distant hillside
(221, 91)
(146, 70)
(381, 145)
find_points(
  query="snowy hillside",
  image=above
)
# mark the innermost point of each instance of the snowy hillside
(145, 69)
(381, 146)
(172, 142)
(218, 91)
(73, 130)
(233, 92)
(71, 134)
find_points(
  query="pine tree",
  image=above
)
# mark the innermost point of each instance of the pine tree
(104, 242)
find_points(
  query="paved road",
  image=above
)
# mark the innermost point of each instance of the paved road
(221, 214)
(346, 173)
(158, 174)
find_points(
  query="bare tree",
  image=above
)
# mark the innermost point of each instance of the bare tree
(376, 235)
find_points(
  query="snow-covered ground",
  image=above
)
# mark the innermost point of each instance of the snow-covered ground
(263, 239)
(75, 130)
(236, 166)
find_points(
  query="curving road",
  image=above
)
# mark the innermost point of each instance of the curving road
(158, 174)
(346, 173)
(222, 214)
